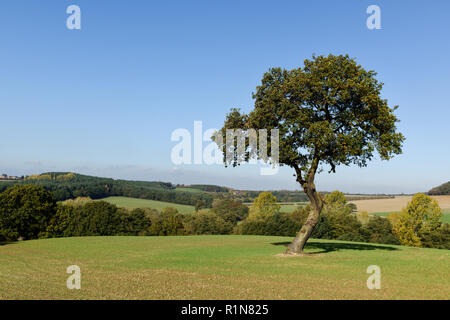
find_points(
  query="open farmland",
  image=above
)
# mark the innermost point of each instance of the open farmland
(384, 207)
(394, 205)
(133, 203)
(445, 214)
(218, 267)
(192, 190)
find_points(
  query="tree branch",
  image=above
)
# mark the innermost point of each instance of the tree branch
(312, 170)
(298, 171)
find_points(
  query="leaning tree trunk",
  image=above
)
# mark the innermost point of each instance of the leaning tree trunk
(297, 245)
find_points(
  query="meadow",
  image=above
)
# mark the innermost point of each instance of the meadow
(133, 203)
(218, 267)
(290, 206)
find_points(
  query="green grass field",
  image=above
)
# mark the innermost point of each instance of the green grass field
(133, 203)
(218, 267)
(445, 217)
(290, 206)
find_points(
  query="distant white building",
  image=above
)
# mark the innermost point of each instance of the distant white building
(6, 177)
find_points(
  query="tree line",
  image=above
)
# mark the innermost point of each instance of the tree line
(32, 212)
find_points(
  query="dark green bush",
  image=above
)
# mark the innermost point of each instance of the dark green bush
(133, 223)
(323, 229)
(207, 222)
(378, 230)
(279, 224)
(96, 218)
(166, 224)
(229, 210)
(335, 221)
(25, 211)
(438, 238)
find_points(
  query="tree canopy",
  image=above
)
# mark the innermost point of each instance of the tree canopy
(264, 206)
(25, 211)
(328, 113)
(421, 215)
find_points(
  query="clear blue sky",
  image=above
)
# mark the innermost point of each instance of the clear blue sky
(105, 99)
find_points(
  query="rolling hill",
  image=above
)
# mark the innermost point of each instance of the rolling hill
(67, 185)
(443, 189)
(133, 203)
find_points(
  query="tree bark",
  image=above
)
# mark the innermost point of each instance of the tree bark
(298, 244)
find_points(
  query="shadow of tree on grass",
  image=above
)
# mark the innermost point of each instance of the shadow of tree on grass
(326, 247)
(4, 243)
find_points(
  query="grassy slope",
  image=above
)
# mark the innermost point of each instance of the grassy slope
(132, 203)
(218, 267)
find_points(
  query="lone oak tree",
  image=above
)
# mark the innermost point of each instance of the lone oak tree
(327, 113)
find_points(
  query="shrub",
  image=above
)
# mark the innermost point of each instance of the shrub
(229, 210)
(133, 223)
(335, 199)
(169, 211)
(343, 226)
(200, 204)
(378, 230)
(438, 238)
(393, 218)
(77, 202)
(300, 215)
(59, 223)
(336, 220)
(207, 222)
(420, 217)
(323, 229)
(96, 218)
(363, 217)
(264, 206)
(166, 224)
(278, 224)
(341, 223)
